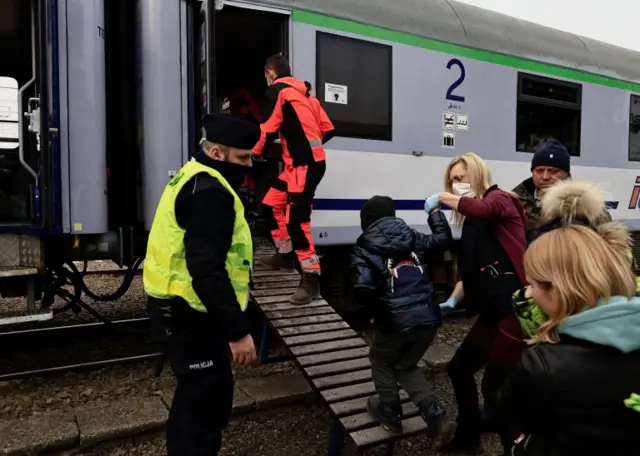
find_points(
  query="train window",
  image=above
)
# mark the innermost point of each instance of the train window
(634, 128)
(353, 83)
(548, 109)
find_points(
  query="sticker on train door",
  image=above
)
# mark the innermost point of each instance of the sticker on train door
(448, 140)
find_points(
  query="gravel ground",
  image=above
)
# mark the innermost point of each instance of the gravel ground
(23, 398)
(31, 397)
(301, 430)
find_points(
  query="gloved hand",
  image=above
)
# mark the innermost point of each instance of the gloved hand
(448, 306)
(432, 203)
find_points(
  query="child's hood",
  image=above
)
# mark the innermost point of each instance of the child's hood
(614, 323)
(388, 236)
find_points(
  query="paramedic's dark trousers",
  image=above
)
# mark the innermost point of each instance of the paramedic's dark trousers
(394, 359)
(203, 398)
(498, 346)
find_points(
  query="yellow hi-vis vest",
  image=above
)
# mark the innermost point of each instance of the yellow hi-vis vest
(165, 272)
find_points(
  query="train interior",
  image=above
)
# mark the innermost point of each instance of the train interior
(243, 39)
(16, 51)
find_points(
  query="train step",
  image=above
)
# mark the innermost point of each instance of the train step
(16, 271)
(12, 318)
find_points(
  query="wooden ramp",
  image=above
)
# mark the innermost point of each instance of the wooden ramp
(333, 358)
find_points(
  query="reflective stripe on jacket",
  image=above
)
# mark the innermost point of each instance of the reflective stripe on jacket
(165, 272)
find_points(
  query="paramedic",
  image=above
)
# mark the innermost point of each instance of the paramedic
(198, 261)
(304, 127)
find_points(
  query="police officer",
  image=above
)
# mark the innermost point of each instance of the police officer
(198, 262)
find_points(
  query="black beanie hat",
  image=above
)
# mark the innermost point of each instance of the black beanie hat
(374, 209)
(554, 154)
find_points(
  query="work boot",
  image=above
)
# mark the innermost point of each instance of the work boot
(284, 261)
(308, 290)
(440, 427)
(389, 416)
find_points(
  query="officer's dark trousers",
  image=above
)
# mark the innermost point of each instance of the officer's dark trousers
(203, 399)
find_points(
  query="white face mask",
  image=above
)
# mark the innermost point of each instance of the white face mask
(463, 189)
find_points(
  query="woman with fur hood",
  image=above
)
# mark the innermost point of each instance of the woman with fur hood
(567, 202)
(571, 392)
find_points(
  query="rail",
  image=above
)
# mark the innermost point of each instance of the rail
(56, 338)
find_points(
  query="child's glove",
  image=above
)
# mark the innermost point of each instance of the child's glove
(432, 203)
(448, 306)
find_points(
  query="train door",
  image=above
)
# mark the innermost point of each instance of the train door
(244, 35)
(29, 184)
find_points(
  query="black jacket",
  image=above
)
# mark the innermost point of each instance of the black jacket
(204, 208)
(397, 306)
(568, 398)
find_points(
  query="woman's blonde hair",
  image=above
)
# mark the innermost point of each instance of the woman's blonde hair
(479, 178)
(582, 265)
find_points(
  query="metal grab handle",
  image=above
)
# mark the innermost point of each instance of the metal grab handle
(21, 113)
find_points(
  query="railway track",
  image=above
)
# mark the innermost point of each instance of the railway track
(55, 350)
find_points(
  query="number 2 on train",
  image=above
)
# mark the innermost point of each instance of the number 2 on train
(457, 83)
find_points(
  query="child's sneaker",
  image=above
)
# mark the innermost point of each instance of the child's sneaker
(440, 428)
(389, 417)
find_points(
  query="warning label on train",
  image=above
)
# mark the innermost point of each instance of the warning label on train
(334, 93)
(448, 120)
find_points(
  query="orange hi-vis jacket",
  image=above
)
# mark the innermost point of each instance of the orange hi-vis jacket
(302, 122)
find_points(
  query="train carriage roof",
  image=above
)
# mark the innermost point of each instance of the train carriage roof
(458, 23)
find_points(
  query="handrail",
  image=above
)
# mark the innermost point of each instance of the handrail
(21, 113)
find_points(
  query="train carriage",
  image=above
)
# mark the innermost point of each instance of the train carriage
(107, 97)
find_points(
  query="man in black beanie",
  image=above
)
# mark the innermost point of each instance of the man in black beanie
(551, 162)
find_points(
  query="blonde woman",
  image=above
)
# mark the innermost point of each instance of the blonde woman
(567, 392)
(490, 255)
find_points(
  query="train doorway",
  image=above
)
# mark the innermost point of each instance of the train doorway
(18, 90)
(244, 36)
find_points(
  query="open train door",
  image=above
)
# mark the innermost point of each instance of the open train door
(29, 156)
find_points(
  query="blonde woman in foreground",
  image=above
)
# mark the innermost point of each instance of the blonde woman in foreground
(567, 394)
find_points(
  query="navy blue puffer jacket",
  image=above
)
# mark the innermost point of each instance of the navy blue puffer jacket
(403, 303)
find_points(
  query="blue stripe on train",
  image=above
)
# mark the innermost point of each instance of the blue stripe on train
(335, 204)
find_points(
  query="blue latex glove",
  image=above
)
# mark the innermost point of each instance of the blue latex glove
(448, 306)
(432, 203)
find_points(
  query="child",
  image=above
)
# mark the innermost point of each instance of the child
(390, 283)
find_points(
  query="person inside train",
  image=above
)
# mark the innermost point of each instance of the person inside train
(198, 262)
(304, 128)
(567, 393)
(391, 286)
(551, 162)
(490, 255)
(243, 104)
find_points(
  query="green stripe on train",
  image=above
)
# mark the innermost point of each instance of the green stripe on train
(319, 20)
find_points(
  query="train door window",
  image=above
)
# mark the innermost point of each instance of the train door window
(548, 109)
(353, 83)
(634, 128)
